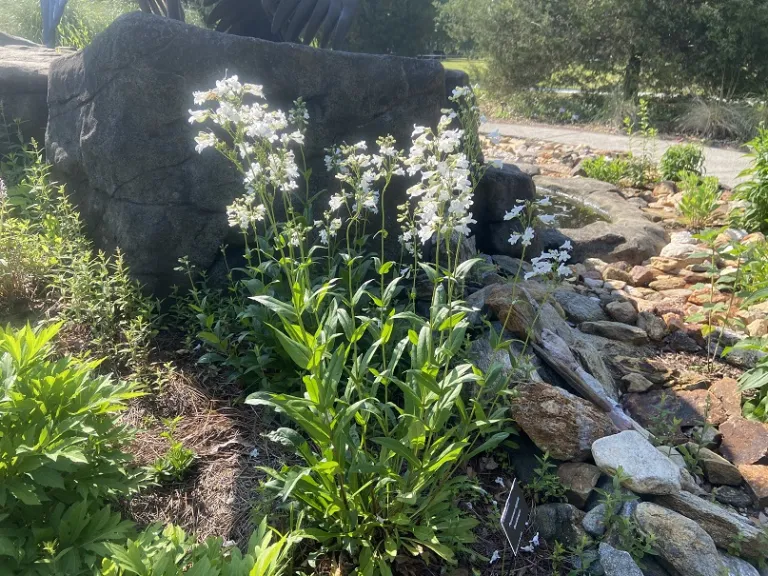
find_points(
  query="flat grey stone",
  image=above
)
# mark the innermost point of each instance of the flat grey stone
(617, 562)
(648, 470)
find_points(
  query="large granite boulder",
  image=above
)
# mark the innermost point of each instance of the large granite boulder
(23, 89)
(119, 137)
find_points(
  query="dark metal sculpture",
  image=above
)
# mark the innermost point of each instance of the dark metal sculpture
(275, 20)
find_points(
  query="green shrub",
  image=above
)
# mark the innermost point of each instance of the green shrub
(388, 412)
(754, 192)
(61, 458)
(681, 158)
(168, 551)
(630, 170)
(605, 169)
(701, 197)
(48, 248)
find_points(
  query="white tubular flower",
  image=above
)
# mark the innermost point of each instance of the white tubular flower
(242, 213)
(495, 137)
(498, 164)
(461, 92)
(254, 90)
(3, 190)
(336, 201)
(514, 239)
(564, 270)
(198, 116)
(544, 202)
(514, 213)
(205, 140)
(567, 246)
(203, 97)
(527, 236)
(547, 218)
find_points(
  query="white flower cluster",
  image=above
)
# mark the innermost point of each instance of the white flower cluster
(552, 262)
(443, 196)
(261, 140)
(3, 190)
(244, 213)
(360, 174)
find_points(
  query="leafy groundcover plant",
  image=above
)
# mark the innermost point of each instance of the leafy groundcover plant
(681, 158)
(61, 458)
(754, 191)
(386, 410)
(701, 197)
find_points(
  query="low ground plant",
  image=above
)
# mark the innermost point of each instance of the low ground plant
(701, 197)
(754, 191)
(622, 526)
(169, 551)
(546, 485)
(176, 462)
(48, 252)
(63, 458)
(681, 158)
(718, 316)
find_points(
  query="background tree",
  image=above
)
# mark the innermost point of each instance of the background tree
(402, 27)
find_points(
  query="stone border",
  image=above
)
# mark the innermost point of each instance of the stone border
(629, 236)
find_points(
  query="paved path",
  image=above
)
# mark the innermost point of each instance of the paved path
(723, 163)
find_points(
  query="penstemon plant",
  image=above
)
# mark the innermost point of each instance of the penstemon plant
(383, 423)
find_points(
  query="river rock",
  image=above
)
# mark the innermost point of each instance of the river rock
(716, 468)
(557, 421)
(120, 139)
(559, 522)
(637, 383)
(654, 326)
(688, 406)
(721, 524)
(744, 441)
(579, 308)
(737, 566)
(24, 88)
(727, 391)
(594, 521)
(736, 497)
(648, 470)
(681, 247)
(756, 477)
(579, 479)
(616, 331)
(622, 312)
(617, 562)
(667, 283)
(642, 276)
(680, 542)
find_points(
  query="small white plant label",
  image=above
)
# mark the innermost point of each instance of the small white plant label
(514, 518)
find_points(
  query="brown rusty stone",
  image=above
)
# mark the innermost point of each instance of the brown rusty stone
(744, 441)
(559, 422)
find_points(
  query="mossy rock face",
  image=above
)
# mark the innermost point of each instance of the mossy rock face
(119, 137)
